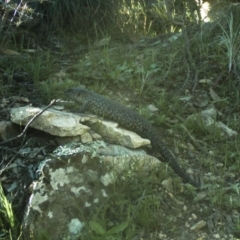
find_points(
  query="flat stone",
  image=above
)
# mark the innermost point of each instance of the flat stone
(111, 131)
(51, 121)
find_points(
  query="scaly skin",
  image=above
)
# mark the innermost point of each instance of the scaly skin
(129, 119)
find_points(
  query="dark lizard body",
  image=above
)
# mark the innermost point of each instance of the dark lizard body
(129, 119)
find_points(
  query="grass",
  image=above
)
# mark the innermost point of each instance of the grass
(133, 207)
(8, 221)
(159, 74)
(230, 39)
(116, 66)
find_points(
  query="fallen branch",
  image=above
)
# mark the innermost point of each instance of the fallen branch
(29, 123)
(24, 132)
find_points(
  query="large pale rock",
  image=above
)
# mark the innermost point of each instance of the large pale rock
(51, 121)
(71, 186)
(111, 131)
(64, 124)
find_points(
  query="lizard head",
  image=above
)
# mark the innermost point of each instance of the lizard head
(76, 94)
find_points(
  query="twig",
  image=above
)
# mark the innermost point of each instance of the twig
(24, 131)
(29, 123)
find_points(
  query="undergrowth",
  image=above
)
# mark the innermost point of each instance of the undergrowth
(140, 69)
(8, 223)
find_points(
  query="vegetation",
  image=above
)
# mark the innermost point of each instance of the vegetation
(150, 52)
(8, 222)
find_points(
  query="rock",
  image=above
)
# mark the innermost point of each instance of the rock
(198, 226)
(111, 131)
(94, 135)
(51, 121)
(66, 189)
(8, 130)
(200, 196)
(152, 108)
(67, 124)
(167, 184)
(86, 137)
(216, 236)
(226, 130)
(208, 119)
(70, 187)
(194, 216)
(119, 158)
(162, 236)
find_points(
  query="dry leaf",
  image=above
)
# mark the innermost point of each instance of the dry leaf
(214, 95)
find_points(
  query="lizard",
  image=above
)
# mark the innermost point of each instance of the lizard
(129, 119)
